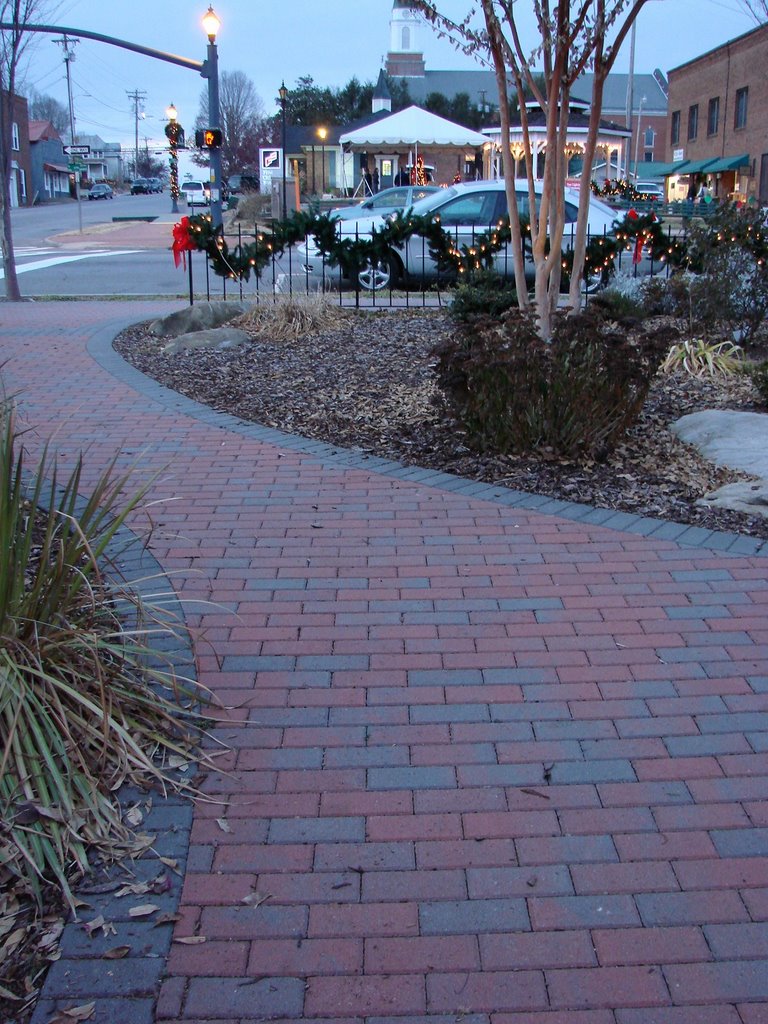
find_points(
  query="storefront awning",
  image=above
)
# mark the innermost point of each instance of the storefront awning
(712, 165)
(56, 167)
(727, 163)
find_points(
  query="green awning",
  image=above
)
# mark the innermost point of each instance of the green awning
(681, 167)
(694, 166)
(727, 163)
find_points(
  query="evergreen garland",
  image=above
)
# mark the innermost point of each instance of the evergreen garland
(351, 253)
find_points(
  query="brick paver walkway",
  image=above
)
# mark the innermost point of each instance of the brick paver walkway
(486, 764)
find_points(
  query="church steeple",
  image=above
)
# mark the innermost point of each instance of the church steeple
(382, 98)
(404, 57)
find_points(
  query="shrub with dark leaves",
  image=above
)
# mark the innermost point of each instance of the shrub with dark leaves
(574, 395)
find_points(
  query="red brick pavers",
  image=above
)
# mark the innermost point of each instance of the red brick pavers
(484, 764)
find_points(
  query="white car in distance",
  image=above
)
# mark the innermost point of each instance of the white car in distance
(196, 193)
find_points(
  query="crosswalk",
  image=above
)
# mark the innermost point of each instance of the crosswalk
(42, 258)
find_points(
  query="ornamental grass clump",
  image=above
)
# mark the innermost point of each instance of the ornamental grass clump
(85, 703)
(702, 358)
(572, 396)
(292, 317)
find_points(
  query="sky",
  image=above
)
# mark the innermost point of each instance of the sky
(331, 40)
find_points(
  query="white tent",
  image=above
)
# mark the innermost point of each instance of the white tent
(413, 127)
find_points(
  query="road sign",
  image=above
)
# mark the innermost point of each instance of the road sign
(77, 150)
(76, 167)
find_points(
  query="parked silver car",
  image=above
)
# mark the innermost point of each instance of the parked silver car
(466, 210)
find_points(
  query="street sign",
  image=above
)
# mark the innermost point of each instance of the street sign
(76, 167)
(77, 150)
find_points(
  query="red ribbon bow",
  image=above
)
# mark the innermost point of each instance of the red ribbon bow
(182, 242)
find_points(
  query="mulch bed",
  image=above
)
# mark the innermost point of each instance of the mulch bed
(369, 383)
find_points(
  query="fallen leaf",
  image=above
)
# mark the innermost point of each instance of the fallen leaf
(133, 889)
(143, 910)
(255, 899)
(94, 925)
(83, 1012)
(133, 816)
(177, 761)
(170, 863)
(117, 952)
(7, 994)
(166, 918)
(223, 824)
(190, 940)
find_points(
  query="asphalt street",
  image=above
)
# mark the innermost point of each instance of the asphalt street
(117, 253)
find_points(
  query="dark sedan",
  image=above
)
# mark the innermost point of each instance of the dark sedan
(100, 191)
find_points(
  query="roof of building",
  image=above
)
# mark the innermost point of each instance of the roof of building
(723, 46)
(480, 86)
(42, 131)
(381, 92)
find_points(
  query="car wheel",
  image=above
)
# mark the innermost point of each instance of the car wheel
(379, 274)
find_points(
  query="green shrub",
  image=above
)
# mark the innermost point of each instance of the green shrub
(575, 395)
(758, 374)
(486, 295)
(728, 257)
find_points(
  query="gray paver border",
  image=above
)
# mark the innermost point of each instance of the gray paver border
(101, 350)
(131, 984)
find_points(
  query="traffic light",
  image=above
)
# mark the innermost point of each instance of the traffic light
(208, 138)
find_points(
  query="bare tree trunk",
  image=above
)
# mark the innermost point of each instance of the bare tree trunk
(580, 240)
(507, 160)
(12, 290)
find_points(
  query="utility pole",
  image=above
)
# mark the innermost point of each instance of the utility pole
(136, 96)
(67, 45)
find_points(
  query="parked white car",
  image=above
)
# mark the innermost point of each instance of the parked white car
(466, 210)
(196, 193)
(650, 190)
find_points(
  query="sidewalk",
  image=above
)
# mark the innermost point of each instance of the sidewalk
(488, 763)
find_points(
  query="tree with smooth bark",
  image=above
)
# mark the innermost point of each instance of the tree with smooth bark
(13, 43)
(573, 36)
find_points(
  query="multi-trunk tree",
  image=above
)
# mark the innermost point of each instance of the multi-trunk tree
(571, 37)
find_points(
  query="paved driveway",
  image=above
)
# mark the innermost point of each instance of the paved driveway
(486, 763)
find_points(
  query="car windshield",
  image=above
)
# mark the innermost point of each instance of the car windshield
(434, 199)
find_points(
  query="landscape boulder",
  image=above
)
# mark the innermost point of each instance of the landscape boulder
(218, 338)
(201, 317)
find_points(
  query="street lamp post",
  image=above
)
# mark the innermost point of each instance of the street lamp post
(314, 190)
(211, 25)
(283, 98)
(322, 134)
(175, 135)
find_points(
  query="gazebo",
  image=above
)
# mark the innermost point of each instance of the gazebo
(613, 143)
(398, 141)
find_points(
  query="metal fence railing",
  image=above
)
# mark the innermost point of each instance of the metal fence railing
(417, 283)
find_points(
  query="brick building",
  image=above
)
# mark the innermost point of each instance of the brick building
(718, 119)
(15, 111)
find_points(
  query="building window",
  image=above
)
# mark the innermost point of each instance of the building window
(648, 156)
(650, 138)
(713, 116)
(693, 121)
(675, 135)
(406, 39)
(742, 95)
(15, 142)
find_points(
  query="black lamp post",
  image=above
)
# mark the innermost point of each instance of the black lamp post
(283, 98)
(211, 25)
(313, 167)
(175, 135)
(322, 134)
